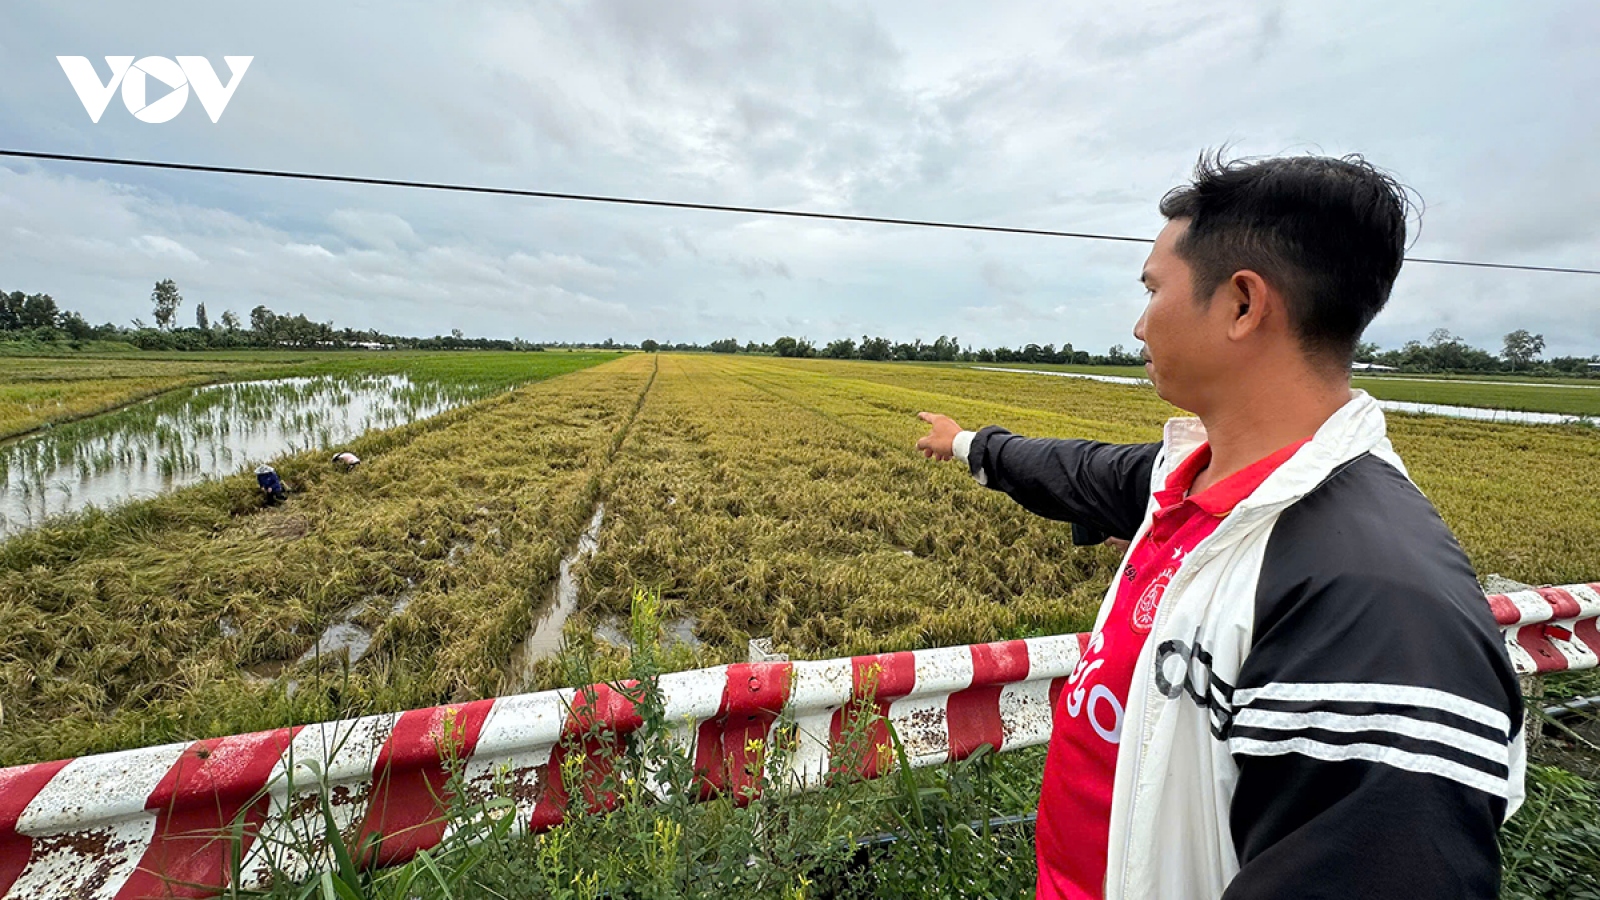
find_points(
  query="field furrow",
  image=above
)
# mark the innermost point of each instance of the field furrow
(766, 499)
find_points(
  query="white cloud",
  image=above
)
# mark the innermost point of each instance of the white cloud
(313, 251)
(379, 230)
(158, 246)
(1005, 112)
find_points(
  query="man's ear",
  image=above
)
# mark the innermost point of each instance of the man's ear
(1251, 302)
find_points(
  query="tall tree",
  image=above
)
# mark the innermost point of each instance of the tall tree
(166, 300)
(11, 311)
(878, 348)
(1522, 348)
(200, 320)
(230, 320)
(39, 311)
(75, 326)
(262, 319)
(843, 348)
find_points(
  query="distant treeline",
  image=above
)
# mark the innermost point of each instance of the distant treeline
(36, 317)
(1442, 352)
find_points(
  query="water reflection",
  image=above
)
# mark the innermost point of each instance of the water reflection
(1481, 414)
(1086, 376)
(545, 638)
(1476, 413)
(180, 439)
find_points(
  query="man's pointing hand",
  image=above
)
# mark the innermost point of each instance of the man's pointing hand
(937, 445)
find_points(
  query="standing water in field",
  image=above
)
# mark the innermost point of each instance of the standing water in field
(545, 638)
(183, 438)
(1481, 414)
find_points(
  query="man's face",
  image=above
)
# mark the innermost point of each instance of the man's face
(1185, 346)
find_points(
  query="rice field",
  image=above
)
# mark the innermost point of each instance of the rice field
(749, 498)
(36, 392)
(39, 392)
(185, 436)
(141, 624)
(763, 498)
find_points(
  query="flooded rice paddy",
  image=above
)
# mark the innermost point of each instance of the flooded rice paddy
(1475, 413)
(183, 438)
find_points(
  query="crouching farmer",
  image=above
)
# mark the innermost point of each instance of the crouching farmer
(271, 485)
(1294, 688)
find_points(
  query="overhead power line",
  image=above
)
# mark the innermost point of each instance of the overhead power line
(675, 204)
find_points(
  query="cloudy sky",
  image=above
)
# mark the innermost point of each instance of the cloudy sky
(1044, 115)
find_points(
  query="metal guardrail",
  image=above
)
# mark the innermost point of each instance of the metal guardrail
(158, 821)
(1550, 629)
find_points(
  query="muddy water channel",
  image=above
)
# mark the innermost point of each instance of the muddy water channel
(185, 437)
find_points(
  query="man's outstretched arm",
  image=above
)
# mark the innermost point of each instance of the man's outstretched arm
(1105, 487)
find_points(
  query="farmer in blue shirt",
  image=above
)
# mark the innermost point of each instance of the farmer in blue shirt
(271, 484)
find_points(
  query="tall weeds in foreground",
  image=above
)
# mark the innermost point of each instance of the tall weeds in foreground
(924, 831)
(1551, 848)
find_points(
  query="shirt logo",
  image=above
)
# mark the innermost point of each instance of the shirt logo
(1143, 617)
(1182, 668)
(1103, 709)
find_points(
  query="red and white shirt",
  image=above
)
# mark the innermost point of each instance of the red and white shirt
(1075, 799)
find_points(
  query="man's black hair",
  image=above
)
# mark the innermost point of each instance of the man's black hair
(1328, 233)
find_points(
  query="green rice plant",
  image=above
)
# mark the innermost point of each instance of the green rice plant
(41, 391)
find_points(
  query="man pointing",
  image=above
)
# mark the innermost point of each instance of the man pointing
(1294, 687)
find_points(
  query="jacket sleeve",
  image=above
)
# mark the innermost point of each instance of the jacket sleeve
(1103, 489)
(1377, 721)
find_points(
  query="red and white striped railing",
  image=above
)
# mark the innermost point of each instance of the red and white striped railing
(150, 822)
(1550, 629)
(166, 821)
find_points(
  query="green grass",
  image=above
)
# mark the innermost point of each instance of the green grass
(1569, 396)
(31, 347)
(765, 840)
(1512, 377)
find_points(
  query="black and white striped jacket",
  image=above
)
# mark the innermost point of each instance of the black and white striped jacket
(1325, 707)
